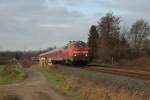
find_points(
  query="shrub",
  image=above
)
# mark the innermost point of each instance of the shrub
(11, 74)
(26, 62)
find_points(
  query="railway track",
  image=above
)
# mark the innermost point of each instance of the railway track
(123, 72)
(140, 74)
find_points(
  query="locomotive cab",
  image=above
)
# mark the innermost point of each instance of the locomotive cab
(78, 52)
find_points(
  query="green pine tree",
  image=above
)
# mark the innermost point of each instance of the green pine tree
(92, 41)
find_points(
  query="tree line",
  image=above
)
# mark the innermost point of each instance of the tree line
(24, 57)
(109, 41)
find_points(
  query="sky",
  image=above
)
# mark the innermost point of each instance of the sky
(39, 24)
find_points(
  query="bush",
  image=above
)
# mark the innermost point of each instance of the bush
(11, 74)
(26, 62)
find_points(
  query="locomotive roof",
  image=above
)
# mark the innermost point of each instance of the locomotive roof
(49, 52)
(78, 43)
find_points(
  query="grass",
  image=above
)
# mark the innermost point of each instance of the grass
(54, 78)
(8, 96)
(106, 79)
(84, 89)
(105, 65)
(1, 67)
(57, 80)
(11, 74)
(101, 64)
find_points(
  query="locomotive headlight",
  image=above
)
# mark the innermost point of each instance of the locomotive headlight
(86, 55)
(75, 55)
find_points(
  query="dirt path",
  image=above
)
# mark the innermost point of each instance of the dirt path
(35, 87)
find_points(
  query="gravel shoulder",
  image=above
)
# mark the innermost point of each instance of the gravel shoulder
(35, 87)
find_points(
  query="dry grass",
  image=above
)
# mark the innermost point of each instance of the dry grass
(102, 93)
(91, 91)
(71, 83)
(8, 96)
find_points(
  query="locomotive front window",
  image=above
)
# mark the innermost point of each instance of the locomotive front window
(80, 44)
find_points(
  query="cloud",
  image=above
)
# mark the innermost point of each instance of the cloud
(34, 24)
(21, 21)
(129, 10)
(55, 25)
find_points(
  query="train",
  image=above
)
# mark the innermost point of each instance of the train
(75, 52)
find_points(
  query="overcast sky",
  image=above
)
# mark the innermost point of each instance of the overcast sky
(38, 24)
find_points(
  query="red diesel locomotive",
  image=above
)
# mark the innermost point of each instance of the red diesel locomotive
(76, 52)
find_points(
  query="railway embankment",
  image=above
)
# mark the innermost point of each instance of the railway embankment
(108, 79)
(84, 84)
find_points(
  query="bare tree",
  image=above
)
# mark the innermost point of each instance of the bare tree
(108, 43)
(139, 32)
